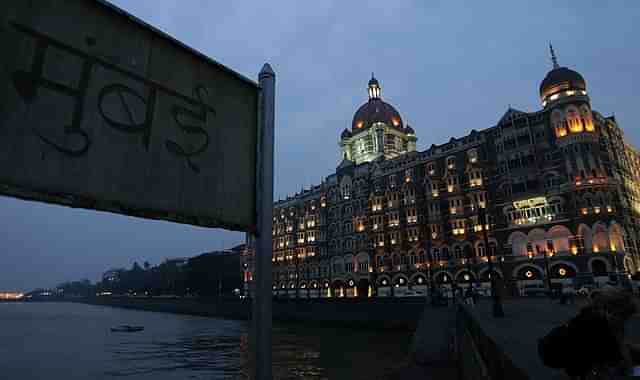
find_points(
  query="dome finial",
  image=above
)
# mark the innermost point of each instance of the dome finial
(553, 56)
(374, 88)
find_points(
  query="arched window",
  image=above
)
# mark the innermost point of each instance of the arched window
(480, 250)
(574, 120)
(445, 253)
(457, 252)
(587, 118)
(467, 252)
(558, 122)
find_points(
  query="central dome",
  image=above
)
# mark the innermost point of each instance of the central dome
(375, 111)
(561, 79)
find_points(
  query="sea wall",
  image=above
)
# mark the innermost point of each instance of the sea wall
(366, 313)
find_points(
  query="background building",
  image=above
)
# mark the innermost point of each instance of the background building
(560, 186)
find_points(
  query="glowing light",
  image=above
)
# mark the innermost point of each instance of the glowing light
(574, 250)
(561, 132)
(613, 247)
(528, 274)
(609, 209)
(466, 277)
(562, 272)
(596, 210)
(596, 249)
(569, 93)
(553, 97)
(585, 211)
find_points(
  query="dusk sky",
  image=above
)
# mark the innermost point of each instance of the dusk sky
(447, 66)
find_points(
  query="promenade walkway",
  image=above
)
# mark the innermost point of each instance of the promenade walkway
(526, 320)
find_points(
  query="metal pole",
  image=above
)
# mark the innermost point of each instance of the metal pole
(260, 342)
(498, 312)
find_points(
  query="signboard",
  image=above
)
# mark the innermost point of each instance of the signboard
(101, 111)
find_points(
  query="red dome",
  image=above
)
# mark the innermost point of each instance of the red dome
(375, 111)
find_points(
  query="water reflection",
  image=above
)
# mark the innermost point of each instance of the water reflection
(207, 352)
(74, 341)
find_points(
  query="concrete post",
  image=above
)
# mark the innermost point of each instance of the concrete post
(260, 355)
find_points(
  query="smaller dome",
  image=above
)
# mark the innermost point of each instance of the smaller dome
(345, 134)
(408, 130)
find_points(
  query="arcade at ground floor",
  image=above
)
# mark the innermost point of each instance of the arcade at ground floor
(517, 271)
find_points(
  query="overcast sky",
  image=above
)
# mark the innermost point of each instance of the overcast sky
(447, 66)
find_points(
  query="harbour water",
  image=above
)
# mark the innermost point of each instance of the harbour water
(73, 341)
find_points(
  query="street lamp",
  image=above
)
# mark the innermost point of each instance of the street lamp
(469, 256)
(498, 312)
(546, 261)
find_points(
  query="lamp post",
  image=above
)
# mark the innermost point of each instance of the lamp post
(297, 276)
(469, 256)
(498, 312)
(308, 282)
(546, 261)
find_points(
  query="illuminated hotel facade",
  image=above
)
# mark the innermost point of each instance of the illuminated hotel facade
(560, 186)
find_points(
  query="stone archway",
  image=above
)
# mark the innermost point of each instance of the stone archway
(562, 271)
(364, 288)
(529, 273)
(599, 267)
(337, 288)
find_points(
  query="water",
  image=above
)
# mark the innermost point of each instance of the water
(73, 341)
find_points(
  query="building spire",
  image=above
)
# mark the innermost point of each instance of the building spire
(553, 57)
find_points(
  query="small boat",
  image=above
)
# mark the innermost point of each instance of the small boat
(127, 328)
